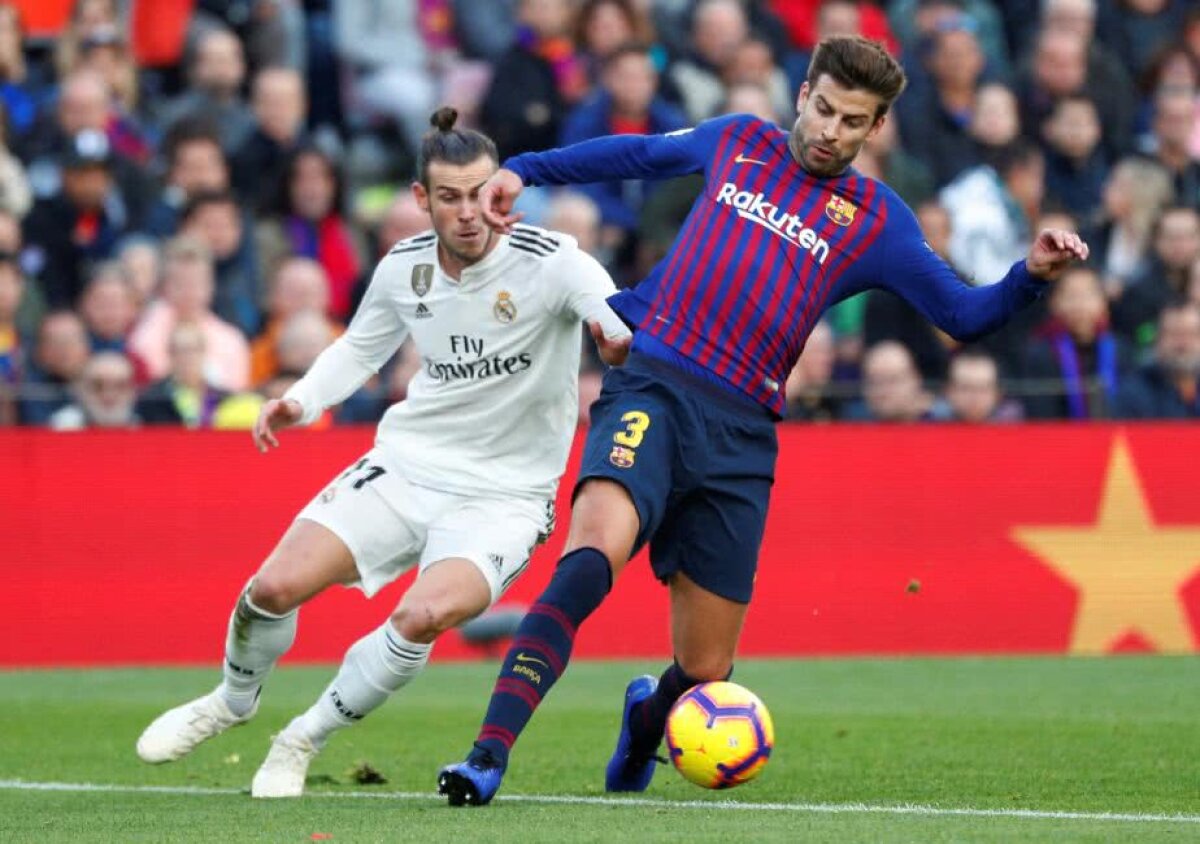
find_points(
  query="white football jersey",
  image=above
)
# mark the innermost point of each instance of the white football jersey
(492, 410)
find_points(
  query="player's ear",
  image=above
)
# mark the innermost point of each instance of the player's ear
(421, 195)
(802, 96)
(877, 126)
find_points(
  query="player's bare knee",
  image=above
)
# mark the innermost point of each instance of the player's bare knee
(274, 592)
(424, 620)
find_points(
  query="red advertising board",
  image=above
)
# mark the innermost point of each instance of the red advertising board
(123, 548)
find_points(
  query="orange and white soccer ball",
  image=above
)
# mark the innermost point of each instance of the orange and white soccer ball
(720, 735)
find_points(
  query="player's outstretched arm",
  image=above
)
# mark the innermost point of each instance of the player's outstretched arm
(613, 350)
(496, 199)
(1053, 251)
(275, 415)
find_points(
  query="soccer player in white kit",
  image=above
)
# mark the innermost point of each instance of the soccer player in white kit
(462, 477)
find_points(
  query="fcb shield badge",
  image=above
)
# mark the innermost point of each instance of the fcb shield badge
(840, 211)
(422, 278)
(621, 457)
(504, 309)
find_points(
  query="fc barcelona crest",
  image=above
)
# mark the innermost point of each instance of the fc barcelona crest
(621, 457)
(840, 211)
(422, 278)
(504, 309)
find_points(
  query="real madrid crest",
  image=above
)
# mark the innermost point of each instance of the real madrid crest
(840, 211)
(504, 309)
(422, 278)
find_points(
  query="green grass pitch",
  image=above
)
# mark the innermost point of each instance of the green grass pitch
(1098, 749)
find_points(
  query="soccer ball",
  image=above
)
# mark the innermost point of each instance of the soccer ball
(720, 735)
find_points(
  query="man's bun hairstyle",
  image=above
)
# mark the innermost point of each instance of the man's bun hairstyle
(453, 146)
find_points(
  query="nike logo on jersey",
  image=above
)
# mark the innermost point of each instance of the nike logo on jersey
(741, 159)
(521, 657)
(755, 208)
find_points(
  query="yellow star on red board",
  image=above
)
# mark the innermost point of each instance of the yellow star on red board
(1128, 570)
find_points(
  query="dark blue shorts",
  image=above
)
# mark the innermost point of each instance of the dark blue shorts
(698, 463)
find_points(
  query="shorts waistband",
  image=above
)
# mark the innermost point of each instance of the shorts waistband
(736, 402)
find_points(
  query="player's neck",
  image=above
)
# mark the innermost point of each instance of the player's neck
(453, 263)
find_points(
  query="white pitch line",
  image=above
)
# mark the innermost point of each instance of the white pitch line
(721, 805)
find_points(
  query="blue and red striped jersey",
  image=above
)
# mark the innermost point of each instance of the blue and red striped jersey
(765, 249)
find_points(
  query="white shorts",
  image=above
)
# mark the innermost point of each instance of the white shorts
(391, 525)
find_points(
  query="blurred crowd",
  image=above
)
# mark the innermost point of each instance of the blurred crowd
(194, 193)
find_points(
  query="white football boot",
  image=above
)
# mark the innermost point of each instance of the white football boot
(284, 770)
(178, 731)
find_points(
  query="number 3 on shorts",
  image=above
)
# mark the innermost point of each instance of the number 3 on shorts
(636, 424)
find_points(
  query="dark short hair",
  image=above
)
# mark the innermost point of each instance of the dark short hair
(205, 198)
(859, 64)
(453, 146)
(187, 131)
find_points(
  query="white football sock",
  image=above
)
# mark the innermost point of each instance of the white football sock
(256, 639)
(376, 665)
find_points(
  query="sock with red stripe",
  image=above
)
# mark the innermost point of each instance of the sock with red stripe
(540, 652)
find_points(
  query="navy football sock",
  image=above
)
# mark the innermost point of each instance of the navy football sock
(541, 649)
(648, 719)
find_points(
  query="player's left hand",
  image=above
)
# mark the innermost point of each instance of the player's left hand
(613, 350)
(1053, 251)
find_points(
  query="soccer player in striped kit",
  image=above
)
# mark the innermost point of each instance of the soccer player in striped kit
(682, 448)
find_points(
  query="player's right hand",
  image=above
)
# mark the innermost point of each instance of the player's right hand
(496, 199)
(275, 415)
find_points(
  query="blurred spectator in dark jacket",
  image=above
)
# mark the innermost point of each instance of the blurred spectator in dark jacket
(1176, 244)
(1173, 67)
(915, 20)
(626, 104)
(1060, 66)
(84, 105)
(107, 308)
(973, 394)
(1168, 388)
(103, 396)
(1175, 119)
(1077, 363)
(1120, 231)
(1135, 28)
(307, 221)
(59, 356)
(67, 232)
(1075, 162)
(216, 73)
(934, 121)
(536, 81)
(185, 396)
(195, 164)
(280, 108)
(892, 387)
(809, 390)
(216, 219)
